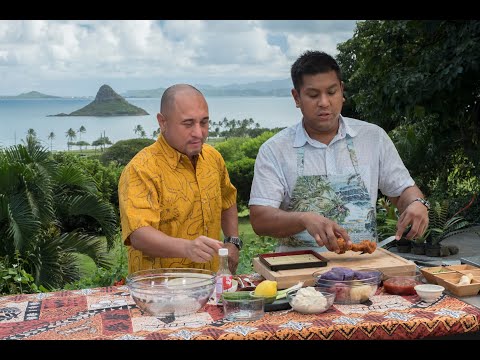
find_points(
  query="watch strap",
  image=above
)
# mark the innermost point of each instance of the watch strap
(424, 202)
(234, 240)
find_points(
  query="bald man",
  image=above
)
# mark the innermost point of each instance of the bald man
(175, 195)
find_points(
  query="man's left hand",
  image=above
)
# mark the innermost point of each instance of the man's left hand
(416, 215)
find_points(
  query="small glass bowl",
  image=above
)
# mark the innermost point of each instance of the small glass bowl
(311, 304)
(240, 306)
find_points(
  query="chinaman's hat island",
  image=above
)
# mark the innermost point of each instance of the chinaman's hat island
(107, 103)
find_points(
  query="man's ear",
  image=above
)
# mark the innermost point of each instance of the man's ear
(161, 121)
(296, 97)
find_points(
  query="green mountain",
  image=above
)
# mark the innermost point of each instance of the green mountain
(31, 95)
(107, 103)
(260, 88)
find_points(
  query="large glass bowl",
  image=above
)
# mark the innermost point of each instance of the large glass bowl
(350, 291)
(174, 291)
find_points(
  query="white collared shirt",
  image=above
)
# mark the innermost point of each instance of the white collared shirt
(380, 165)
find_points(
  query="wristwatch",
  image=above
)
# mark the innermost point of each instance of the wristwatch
(424, 202)
(235, 240)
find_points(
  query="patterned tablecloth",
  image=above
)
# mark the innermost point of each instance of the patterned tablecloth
(110, 313)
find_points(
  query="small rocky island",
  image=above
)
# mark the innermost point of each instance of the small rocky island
(107, 103)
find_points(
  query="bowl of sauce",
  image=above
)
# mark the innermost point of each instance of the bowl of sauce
(402, 285)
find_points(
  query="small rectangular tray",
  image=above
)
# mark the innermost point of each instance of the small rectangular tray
(430, 273)
(450, 282)
(292, 260)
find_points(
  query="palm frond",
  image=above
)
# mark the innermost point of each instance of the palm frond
(71, 177)
(22, 224)
(101, 211)
(33, 155)
(55, 262)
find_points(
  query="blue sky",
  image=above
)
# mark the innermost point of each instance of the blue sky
(75, 57)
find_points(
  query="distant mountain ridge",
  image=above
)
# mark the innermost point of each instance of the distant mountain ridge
(107, 103)
(31, 95)
(278, 88)
(259, 88)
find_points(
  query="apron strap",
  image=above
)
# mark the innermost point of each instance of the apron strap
(300, 160)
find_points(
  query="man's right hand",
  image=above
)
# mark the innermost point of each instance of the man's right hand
(203, 249)
(325, 231)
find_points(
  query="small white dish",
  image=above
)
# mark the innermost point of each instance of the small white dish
(234, 286)
(429, 292)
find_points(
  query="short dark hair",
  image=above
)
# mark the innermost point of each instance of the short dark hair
(311, 63)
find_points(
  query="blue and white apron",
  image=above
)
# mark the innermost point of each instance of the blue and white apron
(342, 198)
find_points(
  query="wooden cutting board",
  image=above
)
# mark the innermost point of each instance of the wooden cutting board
(381, 259)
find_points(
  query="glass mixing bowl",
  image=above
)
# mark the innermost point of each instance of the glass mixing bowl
(175, 291)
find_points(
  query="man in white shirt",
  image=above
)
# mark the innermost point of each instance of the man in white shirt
(319, 179)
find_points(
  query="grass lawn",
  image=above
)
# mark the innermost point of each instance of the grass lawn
(253, 245)
(245, 228)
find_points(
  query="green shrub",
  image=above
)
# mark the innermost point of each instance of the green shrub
(124, 150)
(231, 149)
(241, 176)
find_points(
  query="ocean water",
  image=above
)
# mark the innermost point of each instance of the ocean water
(17, 116)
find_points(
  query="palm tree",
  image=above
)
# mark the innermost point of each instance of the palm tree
(155, 133)
(51, 136)
(71, 135)
(81, 131)
(138, 129)
(39, 199)
(31, 133)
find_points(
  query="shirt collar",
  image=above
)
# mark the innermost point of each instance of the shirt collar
(172, 156)
(301, 136)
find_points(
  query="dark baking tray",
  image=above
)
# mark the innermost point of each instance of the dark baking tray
(291, 263)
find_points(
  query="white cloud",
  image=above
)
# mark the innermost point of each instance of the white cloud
(75, 57)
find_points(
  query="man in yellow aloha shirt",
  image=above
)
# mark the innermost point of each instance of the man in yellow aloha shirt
(175, 195)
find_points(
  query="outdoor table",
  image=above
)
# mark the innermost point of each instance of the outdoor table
(110, 313)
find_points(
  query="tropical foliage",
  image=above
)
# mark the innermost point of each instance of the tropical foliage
(387, 217)
(441, 223)
(40, 201)
(421, 78)
(442, 226)
(105, 176)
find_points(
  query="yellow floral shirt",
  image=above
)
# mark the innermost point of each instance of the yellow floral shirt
(160, 188)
